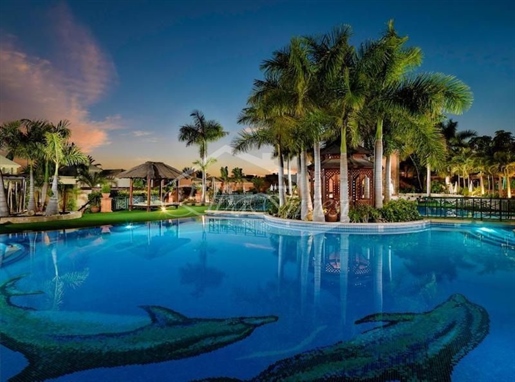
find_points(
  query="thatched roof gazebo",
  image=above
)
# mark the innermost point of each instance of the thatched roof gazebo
(151, 171)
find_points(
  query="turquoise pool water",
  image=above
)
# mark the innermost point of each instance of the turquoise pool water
(303, 291)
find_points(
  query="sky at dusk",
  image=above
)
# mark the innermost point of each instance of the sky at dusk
(128, 73)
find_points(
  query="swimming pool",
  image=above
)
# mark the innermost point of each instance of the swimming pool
(243, 295)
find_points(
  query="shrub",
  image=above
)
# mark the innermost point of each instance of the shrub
(106, 188)
(94, 198)
(290, 209)
(400, 211)
(272, 205)
(464, 191)
(438, 187)
(364, 214)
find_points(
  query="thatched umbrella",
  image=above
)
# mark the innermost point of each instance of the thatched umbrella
(151, 171)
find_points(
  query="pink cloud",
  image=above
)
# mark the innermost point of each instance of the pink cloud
(61, 86)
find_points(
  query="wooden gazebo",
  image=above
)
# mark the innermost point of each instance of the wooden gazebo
(152, 172)
(361, 175)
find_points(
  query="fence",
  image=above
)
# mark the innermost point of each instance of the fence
(243, 202)
(468, 208)
(223, 202)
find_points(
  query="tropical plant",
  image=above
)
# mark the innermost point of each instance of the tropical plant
(266, 129)
(8, 137)
(455, 141)
(258, 183)
(295, 72)
(106, 188)
(342, 85)
(200, 133)
(62, 129)
(386, 62)
(291, 209)
(392, 93)
(203, 165)
(224, 175)
(237, 175)
(91, 179)
(94, 198)
(60, 152)
(506, 163)
(24, 144)
(400, 210)
(190, 171)
(363, 213)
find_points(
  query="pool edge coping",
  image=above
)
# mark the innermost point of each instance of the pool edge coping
(382, 227)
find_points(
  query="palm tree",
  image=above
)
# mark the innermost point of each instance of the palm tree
(269, 126)
(339, 72)
(504, 146)
(482, 148)
(9, 133)
(4, 209)
(200, 133)
(289, 75)
(315, 130)
(63, 130)
(237, 175)
(423, 97)
(386, 61)
(91, 179)
(270, 109)
(190, 171)
(203, 165)
(298, 78)
(463, 164)
(224, 175)
(58, 151)
(258, 183)
(455, 141)
(30, 138)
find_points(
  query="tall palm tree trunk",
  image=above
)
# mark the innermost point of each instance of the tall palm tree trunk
(305, 199)
(31, 206)
(318, 212)
(290, 187)
(53, 203)
(4, 209)
(428, 180)
(378, 165)
(417, 171)
(204, 178)
(300, 186)
(305, 180)
(388, 179)
(508, 185)
(344, 179)
(280, 177)
(44, 188)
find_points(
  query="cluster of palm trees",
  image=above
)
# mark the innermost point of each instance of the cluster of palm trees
(488, 158)
(46, 148)
(236, 176)
(319, 88)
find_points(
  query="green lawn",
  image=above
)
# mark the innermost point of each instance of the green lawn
(92, 220)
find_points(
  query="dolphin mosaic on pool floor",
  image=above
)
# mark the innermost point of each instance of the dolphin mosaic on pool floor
(408, 346)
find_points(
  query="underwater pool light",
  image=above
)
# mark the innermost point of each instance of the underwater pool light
(484, 229)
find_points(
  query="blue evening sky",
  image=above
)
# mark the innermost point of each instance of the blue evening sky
(127, 73)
